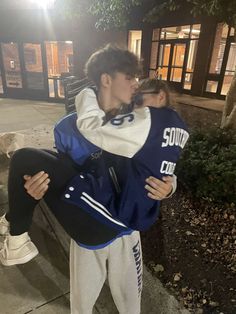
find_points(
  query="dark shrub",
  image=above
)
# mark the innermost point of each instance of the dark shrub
(208, 165)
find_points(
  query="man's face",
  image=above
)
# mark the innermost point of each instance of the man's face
(123, 86)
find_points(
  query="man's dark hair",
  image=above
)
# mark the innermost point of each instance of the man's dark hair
(111, 59)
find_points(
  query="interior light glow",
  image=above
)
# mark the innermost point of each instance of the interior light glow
(187, 30)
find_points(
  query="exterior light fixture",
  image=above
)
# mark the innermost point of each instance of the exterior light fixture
(45, 4)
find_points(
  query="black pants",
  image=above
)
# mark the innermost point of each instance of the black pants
(77, 223)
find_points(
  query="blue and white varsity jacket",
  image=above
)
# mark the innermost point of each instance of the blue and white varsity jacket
(123, 153)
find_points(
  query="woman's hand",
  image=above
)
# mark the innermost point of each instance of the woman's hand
(159, 189)
(37, 185)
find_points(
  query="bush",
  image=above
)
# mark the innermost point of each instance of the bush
(208, 165)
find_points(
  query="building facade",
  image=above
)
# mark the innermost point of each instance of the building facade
(196, 56)
(38, 49)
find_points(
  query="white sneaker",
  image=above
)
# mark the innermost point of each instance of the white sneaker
(23, 254)
(4, 226)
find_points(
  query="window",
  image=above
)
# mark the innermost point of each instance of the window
(134, 42)
(59, 64)
(175, 32)
(188, 80)
(223, 61)
(219, 48)
(33, 66)
(230, 69)
(211, 86)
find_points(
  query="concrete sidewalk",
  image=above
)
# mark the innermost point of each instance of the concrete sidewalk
(42, 285)
(201, 102)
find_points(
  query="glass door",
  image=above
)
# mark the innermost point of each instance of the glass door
(12, 67)
(164, 61)
(177, 62)
(33, 70)
(23, 71)
(59, 56)
(171, 62)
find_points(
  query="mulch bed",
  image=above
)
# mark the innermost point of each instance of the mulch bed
(192, 248)
(192, 251)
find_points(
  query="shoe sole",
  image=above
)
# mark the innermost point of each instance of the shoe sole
(18, 261)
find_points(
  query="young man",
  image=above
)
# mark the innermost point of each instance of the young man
(145, 141)
(121, 259)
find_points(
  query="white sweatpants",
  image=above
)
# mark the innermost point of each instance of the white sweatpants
(120, 262)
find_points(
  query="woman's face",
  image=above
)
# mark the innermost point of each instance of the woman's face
(154, 100)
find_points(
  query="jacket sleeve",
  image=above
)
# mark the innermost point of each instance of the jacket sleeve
(69, 141)
(119, 135)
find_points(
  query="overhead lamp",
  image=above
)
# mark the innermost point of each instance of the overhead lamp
(45, 4)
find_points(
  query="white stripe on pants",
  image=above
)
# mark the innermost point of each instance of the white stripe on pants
(121, 262)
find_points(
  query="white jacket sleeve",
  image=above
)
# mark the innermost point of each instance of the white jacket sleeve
(124, 135)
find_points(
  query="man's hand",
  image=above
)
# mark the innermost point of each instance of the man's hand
(37, 185)
(159, 189)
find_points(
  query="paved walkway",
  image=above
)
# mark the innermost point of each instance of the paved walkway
(201, 102)
(42, 286)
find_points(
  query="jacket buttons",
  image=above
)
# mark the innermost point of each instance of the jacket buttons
(81, 176)
(67, 195)
(71, 188)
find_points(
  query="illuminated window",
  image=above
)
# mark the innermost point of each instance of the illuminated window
(134, 43)
(188, 81)
(164, 55)
(175, 32)
(211, 86)
(162, 73)
(192, 55)
(230, 69)
(57, 57)
(232, 31)
(219, 48)
(59, 65)
(223, 38)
